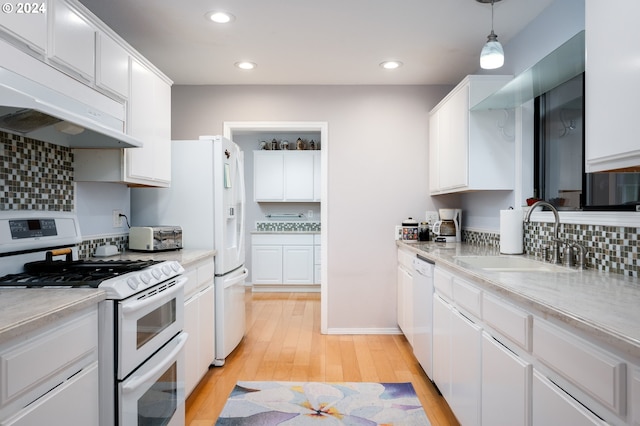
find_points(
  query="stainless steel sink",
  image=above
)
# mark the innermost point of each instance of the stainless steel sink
(510, 264)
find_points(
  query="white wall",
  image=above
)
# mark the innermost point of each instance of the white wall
(378, 173)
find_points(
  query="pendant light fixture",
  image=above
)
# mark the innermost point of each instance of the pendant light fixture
(492, 55)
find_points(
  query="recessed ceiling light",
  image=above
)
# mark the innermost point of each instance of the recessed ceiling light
(245, 65)
(391, 65)
(220, 17)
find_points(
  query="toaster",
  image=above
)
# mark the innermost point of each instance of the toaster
(155, 238)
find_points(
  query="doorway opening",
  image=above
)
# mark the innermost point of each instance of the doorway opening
(250, 130)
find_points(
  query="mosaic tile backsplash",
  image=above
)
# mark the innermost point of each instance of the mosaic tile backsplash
(609, 248)
(282, 226)
(35, 175)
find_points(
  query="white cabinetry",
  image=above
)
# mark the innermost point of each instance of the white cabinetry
(76, 54)
(506, 384)
(611, 82)
(27, 30)
(50, 376)
(112, 66)
(465, 369)
(456, 351)
(283, 261)
(553, 406)
(469, 150)
(405, 294)
(498, 363)
(149, 119)
(72, 40)
(199, 322)
(288, 176)
(317, 259)
(442, 346)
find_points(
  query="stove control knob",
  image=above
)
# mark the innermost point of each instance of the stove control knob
(157, 273)
(175, 266)
(133, 283)
(145, 277)
(166, 269)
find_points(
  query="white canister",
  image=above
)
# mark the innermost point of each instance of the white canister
(409, 230)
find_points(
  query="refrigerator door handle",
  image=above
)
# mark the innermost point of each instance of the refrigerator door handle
(231, 281)
(240, 167)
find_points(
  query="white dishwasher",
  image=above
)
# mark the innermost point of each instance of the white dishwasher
(423, 313)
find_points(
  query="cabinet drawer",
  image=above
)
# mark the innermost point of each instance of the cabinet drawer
(39, 362)
(468, 297)
(593, 370)
(443, 283)
(508, 320)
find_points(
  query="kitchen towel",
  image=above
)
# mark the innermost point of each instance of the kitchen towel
(511, 231)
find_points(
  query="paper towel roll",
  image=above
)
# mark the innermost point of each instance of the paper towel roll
(511, 231)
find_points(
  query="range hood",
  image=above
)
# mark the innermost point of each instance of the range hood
(30, 109)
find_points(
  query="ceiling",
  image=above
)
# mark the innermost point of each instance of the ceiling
(314, 41)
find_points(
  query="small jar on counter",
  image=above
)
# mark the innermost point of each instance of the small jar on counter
(423, 232)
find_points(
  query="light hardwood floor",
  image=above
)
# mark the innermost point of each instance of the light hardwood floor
(283, 342)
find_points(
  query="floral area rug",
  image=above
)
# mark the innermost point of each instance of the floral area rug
(313, 403)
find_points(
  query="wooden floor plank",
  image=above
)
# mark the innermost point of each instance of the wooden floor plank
(283, 342)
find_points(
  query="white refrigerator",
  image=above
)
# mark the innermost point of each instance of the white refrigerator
(207, 199)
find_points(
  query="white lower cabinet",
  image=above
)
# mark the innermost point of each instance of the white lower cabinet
(50, 375)
(297, 264)
(466, 355)
(498, 363)
(442, 346)
(553, 406)
(283, 260)
(404, 296)
(506, 385)
(199, 322)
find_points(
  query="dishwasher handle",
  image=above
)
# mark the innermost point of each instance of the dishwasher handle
(423, 266)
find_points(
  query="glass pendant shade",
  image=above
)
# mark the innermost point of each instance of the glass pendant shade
(492, 55)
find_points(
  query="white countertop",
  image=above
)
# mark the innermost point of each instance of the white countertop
(604, 305)
(25, 310)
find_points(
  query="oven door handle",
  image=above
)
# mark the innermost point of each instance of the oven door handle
(136, 382)
(133, 306)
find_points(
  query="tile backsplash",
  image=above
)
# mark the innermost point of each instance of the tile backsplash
(35, 175)
(285, 226)
(609, 248)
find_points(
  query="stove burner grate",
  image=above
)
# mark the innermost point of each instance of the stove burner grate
(83, 273)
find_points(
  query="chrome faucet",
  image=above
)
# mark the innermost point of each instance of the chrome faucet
(555, 253)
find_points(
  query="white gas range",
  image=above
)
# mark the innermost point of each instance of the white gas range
(141, 360)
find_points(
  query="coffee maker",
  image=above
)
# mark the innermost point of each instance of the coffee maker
(447, 229)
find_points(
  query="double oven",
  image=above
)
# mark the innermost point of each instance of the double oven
(140, 335)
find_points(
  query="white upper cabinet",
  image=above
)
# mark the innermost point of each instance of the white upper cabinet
(30, 28)
(471, 150)
(612, 83)
(288, 176)
(112, 66)
(72, 40)
(149, 120)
